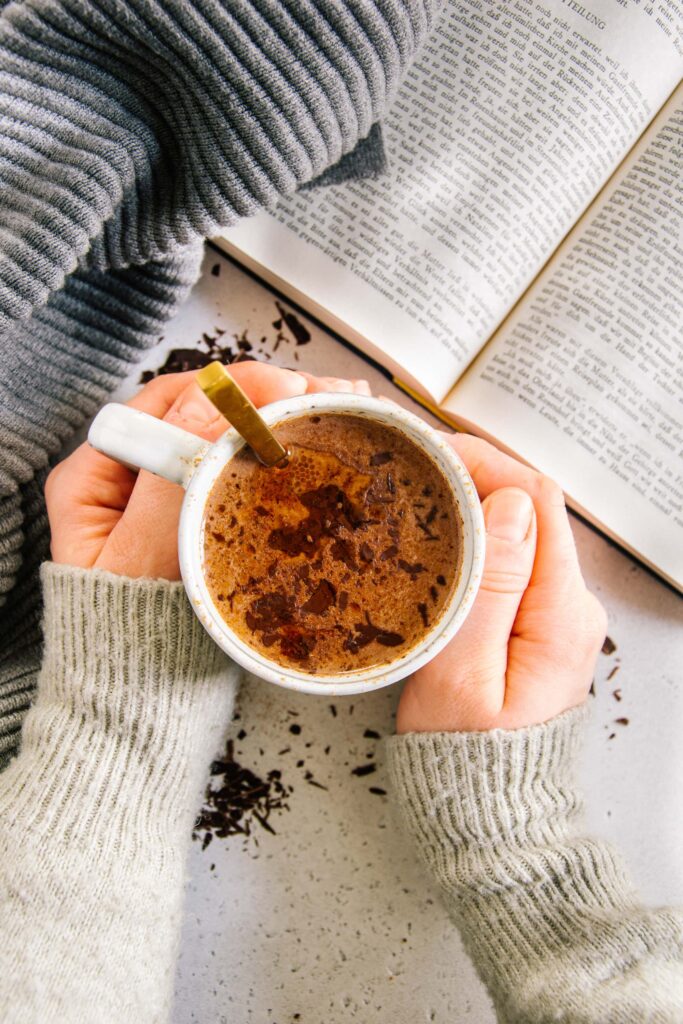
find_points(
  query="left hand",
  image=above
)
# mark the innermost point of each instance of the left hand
(105, 516)
(528, 649)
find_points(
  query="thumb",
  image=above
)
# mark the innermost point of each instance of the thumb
(464, 686)
(193, 411)
(510, 548)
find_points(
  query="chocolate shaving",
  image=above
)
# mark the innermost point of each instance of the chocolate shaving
(364, 769)
(422, 525)
(343, 552)
(608, 646)
(329, 511)
(270, 611)
(370, 734)
(323, 597)
(366, 552)
(301, 333)
(366, 632)
(422, 609)
(297, 645)
(236, 798)
(412, 570)
(388, 553)
(381, 458)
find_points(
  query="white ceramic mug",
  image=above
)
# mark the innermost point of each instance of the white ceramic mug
(141, 441)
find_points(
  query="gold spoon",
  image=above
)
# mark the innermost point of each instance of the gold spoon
(228, 397)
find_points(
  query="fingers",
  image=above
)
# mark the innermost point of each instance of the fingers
(264, 384)
(144, 541)
(464, 687)
(491, 470)
(336, 384)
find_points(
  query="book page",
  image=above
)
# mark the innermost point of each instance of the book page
(585, 379)
(502, 132)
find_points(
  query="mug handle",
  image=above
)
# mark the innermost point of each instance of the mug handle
(141, 441)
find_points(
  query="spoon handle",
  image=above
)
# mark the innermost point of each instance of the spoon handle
(228, 397)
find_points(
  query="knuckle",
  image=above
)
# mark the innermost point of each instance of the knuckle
(596, 617)
(550, 492)
(156, 384)
(504, 581)
(52, 480)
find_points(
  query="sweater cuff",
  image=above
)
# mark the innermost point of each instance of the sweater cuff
(483, 788)
(133, 698)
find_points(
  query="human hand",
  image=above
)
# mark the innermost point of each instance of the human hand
(528, 648)
(105, 516)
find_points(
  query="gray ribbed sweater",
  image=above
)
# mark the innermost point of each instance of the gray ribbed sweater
(96, 816)
(129, 130)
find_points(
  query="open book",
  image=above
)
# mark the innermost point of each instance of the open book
(521, 266)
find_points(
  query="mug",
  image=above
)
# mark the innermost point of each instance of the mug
(144, 442)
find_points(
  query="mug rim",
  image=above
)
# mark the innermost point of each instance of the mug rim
(191, 544)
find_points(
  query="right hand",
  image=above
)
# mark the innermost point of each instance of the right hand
(528, 649)
(105, 516)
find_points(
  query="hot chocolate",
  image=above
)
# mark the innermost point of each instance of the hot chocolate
(341, 558)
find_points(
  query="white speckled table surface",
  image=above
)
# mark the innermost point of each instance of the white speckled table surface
(330, 919)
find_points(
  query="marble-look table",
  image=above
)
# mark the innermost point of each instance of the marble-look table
(331, 920)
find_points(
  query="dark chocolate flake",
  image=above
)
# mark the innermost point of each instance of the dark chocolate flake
(389, 552)
(364, 769)
(366, 552)
(381, 458)
(323, 597)
(301, 333)
(366, 632)
(412, 570)
(240, 798)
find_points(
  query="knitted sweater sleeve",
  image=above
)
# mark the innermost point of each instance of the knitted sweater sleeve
(547, 914)
(132, 128)
(96, 812)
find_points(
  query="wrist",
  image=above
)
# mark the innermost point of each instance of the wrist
(133, 697)
(470, 789)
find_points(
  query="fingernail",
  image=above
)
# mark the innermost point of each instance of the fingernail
(508, 514)
(194, 405)
(301, 380)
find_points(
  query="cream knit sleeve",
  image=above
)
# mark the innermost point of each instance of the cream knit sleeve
(547, 914)
(96, 812)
